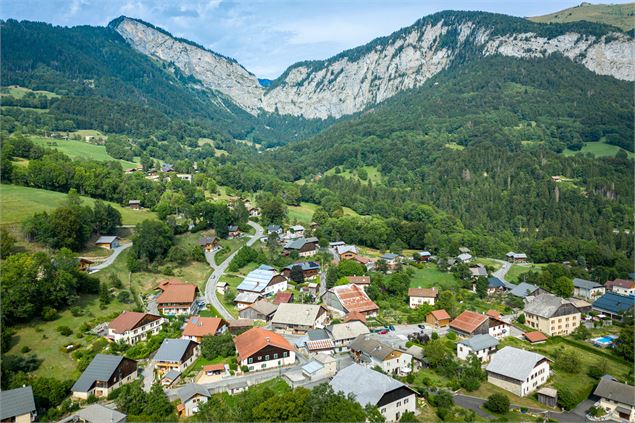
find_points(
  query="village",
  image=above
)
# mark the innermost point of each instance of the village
(515, 343)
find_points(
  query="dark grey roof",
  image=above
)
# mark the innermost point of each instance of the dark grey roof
(172, 350)
(585, 284)
(206, 240)
(371, 347)
(317, 334)
(367, 385)
(172, 375)
(616, 391)
(298, 243)
(305, 265)
(523, 289)
(514, 363)
(614, 303)
(97, 413)
(480, 342)
(545, 305)
(16, 402)
(389, 256)
(494, 282)
(191, 389)
(100, 369)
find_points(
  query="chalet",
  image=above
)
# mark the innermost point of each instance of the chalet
(518, 371)
(552, 315)
(464, 250)
(299, 317)
(375, 389)
(370, 351)
(482, 346)
(310, 269)
(343, 334)
(321, 367)
(363, 281)
(392, 260)
(177, 298)
(319, 341)
(423, 256)
(131, 327)
(524, 290)
(582, 305)
(274, 229)
(175, 354)
(254, 211)
(478, 271)
(513, 257)
(305, 247)
(310, 288)
(187, 177)
(246, 299)
(283, 297)
(264, 281)
(222, 287)
(621, 286)
(197, 327)
(535, 337)
(134, 204)
(296, 231)
(345, 252)
(17, 405)
(614, 305)
(495, 285)
(260, 310)
(96, 413)
(104, 374)
(616, 399)
(170, 377)
(233, 231)
(345, 299)
(470, 323)
(192, 396)
(167, 168)
(419, 296)
(261, 349)
(214, 369)
(587, 289)
(209, 243)
(464, 258)
(108, 242)
(438, 318)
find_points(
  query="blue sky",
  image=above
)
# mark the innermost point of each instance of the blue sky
(267, 36)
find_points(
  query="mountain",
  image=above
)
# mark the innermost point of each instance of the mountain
(619, 15)
(366, 75)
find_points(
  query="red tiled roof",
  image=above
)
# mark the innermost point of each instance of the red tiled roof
(440, 314)
(622, 283)
(202, 326)
(255, 339)
(468, 321)
(423, 292)
(178, 294)
(282, 297)
(214, 367)
(359, 280)
(320, 344)
(353, 298)
(361, 259)
(535, 336)
(164, 284)
(355, 315)
(494, 313)
(128, 320)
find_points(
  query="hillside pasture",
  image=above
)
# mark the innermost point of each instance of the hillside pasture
(598, 149)
(79, 150)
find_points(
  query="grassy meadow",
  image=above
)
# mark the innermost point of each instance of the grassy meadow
(79, 150)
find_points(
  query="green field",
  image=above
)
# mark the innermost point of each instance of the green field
(485, 261)
(79, 150)
(619, 15)
(431, 277)
(18, 203)
(514, 273)
(304, 213)
(374, 174)
(598, 149)
(19, 92)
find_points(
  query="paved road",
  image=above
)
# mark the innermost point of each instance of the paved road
(209, 256)
(110, 260)
(148, 375)
(219, 270)
(500, 273)
(322, 288)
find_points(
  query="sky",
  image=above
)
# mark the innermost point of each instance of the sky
(268, 36)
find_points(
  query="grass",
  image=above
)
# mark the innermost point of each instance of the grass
(79, 150)
(373, 173)
(430, 277)
(454, 146)
(515, 272)
(598, 149)
(488, 262)
(619, 15)
(19, 202)
(19, 92)
(486, 389)
(304, 213)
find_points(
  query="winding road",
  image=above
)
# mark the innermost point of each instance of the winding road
(219, 270)
(500, 273)
(111, 258)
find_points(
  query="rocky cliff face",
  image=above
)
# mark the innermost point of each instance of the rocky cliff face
(370, 74)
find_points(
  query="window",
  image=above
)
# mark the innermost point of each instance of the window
(284, 354)
(383, 410)
(251, 360)
(275, 356)
(398, 403)
(267, 357)
(406, 401)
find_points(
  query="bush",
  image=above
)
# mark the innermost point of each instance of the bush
(76, 311)
(451, 336)
(49, 313)
(244, 369)
(470, 383)
(124, 297)
(566, 399)
(435, 336)
(497, 403)
(598, 369)
(25, 349)
(568, 361)
(521, 319)
(91, 399)
(64, 330)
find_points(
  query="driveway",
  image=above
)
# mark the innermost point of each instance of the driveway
(111, 259)
(500, 273)
(148, 375)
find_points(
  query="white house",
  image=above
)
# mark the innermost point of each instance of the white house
(419, 296)
(518, 371)
(131, 327)
(261, 349)
(343, 334)
(264, 281)
(617, 399)
(192, 396)
(482, 346)
(370, 351)
(587, 289)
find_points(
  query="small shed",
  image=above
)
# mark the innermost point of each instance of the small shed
(134, 204)
(108, 242)
(547, 396)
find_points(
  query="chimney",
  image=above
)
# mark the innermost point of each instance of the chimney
(267, 339)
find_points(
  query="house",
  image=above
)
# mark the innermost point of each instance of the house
(283, 297)
(621, 286)
(177, 298)
(264, 281)
(209, 243)
(615, 305)
(169, 378)
(370, 351)
(246, 299)
(524, 290)
(464, 257)
(299, 317)
(104, 374)
(438, 318)
(296, 231)
(310, 288)
(310, 269)
(175, 354)
(274, 229)
(482, 346)
(420, 296)
(191, 396)
(134, 204)
(581, 305)
(238, 326)
(319, 341)
(167, 167)
(222, 287)
(343, 334)
(305, 247)
(535, 337)
(84, 264)
(187, 177)
(131, 327)
(547, 396)
(513, 257)
(260, 310)
(587, 289)
(362, 281)
(552, 315)
(371, 388)
(321, 367)
(345, 299)
(96, 413)
(470, 323)
(478, 271)
(17, 405)
(355, 316)
(495, 285)
(423, 256)
(214, 369)
(197, 327)
(518, 371)
(345, 252)
(233, 231)
(617, 399)
(107, 242)
(392, 260)
(494, 313)
(464, 250)
(261, 349)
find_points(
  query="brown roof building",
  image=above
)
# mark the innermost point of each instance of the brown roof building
(197, 327)
(177, 298)
(131, 327)
(261, 349)
(535, 337)
(359, 280)
(470, 323)
(283, 297)
(348, 298)
(438, 318)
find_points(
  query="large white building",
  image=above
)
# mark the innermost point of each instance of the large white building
(131, 327)
(482, 346)
(518, 371)
(264, 281)
(261, 349)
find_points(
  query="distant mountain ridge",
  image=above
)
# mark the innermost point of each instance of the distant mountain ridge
(619, 15)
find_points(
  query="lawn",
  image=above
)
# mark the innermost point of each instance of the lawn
(303, 213)
(373, 173)
(18, 92)
(495, 264)
(79, 150)
(515, 272)
(19, 202)
(598, 149)
(430, 277)
(486, 389)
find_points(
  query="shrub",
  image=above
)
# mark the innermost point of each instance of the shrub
(497, 403)
(435, 336)
(49, 313)
(25, 349)
(521, 319)
(76, 311)
(64, 330)
(91, 399)
(568, 361)
(566, 399)
(451, 336)
(244, 369)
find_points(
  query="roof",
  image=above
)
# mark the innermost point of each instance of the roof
(15, 402)
(317, 334)
(341, 249)
(247, 297)
(468, 321)
(100, 369)
(353, 298)
(264, 307)
(171, 375)
(464, 250)
(296, 228)
(298, 243)
(190, 390)
(348, 330)
(480, 342)
(359, 280)
(283, 297)
(183, 293)
(424, 253)
(355, 315)
(514, 363)
(550, 392)
(214, 367)
(372, 346)
(622, 283)
(585, 284)
(516, 255)
(494, 282)
(305, 265)
(134, 201)
(258, 279)
(535, 336)
(312, 366)
(523, 289)
(616, 391)
(106, 240)
(546, 305)
(240, 323)
(320, 344)
(172, 350)
(129, 320)
(97, 413)
(464, 257)
(206, 240)
(440, 314)
(493, 313)
(296, 314)
(389, 256)
(202, 326)
(232, 228)
(273, 228)
(368, 386)
(478, 270)
(255, 339)
(423, 292)
(614, 303)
